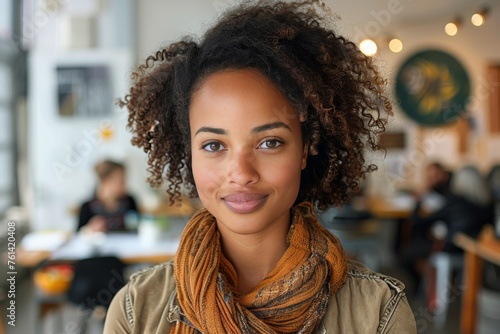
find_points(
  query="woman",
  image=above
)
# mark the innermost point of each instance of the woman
(107, 210)
(269, 113)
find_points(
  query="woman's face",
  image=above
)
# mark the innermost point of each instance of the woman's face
(247, 150)
(114, 185)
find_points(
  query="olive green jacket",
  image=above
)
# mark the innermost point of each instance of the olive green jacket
(367, 303)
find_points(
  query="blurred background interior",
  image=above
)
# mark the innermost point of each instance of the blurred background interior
(427, 216)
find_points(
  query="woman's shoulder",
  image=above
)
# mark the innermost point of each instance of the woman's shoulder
(87, 203)
(360, 279)
(382, 298)
(151, 292)
(129, 197)
(157, 281)
(365, 285)
(358, 273)
(147, 296)
(159, 274)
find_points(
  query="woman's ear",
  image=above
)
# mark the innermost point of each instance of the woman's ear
(305, 153)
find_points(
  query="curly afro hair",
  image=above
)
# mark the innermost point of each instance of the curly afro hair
(335, 89)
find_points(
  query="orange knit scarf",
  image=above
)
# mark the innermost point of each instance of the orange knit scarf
(293, 298)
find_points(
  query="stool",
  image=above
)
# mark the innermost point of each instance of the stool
(439, 298)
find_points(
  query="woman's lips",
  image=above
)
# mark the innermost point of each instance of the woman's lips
(244, 202)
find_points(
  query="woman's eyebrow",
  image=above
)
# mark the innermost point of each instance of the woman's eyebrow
(270, 126)
(260, 128)
(217, 131)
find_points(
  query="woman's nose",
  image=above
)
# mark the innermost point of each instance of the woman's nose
(242, 168)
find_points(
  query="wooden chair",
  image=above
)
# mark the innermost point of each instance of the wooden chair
(486, 247)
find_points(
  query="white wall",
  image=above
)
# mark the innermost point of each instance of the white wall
(62, 151)
(161, 22)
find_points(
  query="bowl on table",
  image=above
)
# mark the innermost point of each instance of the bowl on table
(54, 279)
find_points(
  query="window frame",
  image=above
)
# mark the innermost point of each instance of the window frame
(13, 57)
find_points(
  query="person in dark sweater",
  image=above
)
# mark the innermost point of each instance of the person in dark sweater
(438, 178)
(468, 206)
(107, 209)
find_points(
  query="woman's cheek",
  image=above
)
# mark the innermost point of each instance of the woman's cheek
(207, 179)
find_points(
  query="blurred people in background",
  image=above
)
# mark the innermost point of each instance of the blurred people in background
(468, 206)
(432, 195)
(437, 178)
(107, 209)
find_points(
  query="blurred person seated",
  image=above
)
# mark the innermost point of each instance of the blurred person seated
(438, 178)
(467, 207)
(436, 187)
(107, 210)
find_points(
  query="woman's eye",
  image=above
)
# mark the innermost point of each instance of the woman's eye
(270, 144)
(213, 147)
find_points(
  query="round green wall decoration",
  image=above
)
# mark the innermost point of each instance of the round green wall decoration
(432, 88)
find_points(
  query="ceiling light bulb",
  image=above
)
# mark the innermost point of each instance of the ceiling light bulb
(479, 17)
(395, 45)
(477, 20)
(451, 28)
(368, 47)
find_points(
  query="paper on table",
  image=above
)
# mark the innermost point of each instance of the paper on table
(77, 248)
(44, 240)
(404, 202)
(122, 245)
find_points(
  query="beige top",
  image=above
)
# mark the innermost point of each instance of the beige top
(367, 303)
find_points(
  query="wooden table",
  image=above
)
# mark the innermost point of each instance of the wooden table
(485, 248)
(397, 210)
(128, 247)
(31, 259)
(36, 247)
(386, 208)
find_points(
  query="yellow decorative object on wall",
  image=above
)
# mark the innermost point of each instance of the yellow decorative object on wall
(432, 88)
(107, 133)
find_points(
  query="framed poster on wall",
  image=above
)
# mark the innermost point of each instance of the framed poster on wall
(83, 91)
(433, 88)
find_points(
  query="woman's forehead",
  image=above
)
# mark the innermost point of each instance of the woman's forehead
(232, 93)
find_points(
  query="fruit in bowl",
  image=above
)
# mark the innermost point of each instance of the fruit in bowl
(54, 279)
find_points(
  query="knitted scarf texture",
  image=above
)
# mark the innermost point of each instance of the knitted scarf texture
(293, 298)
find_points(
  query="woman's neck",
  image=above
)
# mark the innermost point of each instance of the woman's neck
(110, 202)
(255, 256)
